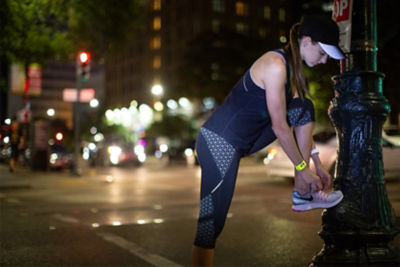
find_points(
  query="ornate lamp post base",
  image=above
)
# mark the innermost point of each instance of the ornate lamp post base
(359, 230)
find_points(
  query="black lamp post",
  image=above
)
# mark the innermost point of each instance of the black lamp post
(359, 231)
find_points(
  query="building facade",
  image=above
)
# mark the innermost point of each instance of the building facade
(168, 27)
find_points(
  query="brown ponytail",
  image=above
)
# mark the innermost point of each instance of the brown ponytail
(292, 50)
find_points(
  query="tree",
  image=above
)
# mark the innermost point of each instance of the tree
(34, 30)
(31, 31)
(321, 89)
(182, 128)
(37, 30)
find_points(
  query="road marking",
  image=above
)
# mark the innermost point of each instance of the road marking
(64, 218)
(13, 200)
(133, 248)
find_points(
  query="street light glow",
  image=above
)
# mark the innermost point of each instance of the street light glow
(172, 104)
(158, 106)
(94, 103)
(184, 102)
(51, 112)
(157, 90)
(93, 130)
(109, 114)
(98, 137)
(134, 103)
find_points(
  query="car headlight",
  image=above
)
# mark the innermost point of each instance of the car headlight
(53, 158)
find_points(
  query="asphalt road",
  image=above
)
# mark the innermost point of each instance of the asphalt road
(146, 216)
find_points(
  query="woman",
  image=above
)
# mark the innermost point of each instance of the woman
(267, 103)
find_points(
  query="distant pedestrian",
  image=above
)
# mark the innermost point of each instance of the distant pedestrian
(16, 143)
(268, 102)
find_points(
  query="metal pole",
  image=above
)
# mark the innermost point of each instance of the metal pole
(76, 127)
(359, 231)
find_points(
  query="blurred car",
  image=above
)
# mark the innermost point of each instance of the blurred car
(60, 158)
(122, 155)
(180, 150)
(278, 164)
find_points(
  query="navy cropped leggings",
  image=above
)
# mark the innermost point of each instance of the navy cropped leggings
(219, 163)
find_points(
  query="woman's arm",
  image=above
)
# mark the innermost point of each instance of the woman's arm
(326, 178)
(270, 72)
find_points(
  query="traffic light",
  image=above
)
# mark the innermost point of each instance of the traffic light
(59, 136)
(83, 66)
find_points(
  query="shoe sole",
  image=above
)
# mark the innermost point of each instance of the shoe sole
(311, 206)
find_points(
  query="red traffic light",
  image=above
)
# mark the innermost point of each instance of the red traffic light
(84, 57)
(59, 136)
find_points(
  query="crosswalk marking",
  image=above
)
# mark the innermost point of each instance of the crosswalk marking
(136, 250)
(65, 218)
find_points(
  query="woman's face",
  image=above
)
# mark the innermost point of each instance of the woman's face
(311, 52)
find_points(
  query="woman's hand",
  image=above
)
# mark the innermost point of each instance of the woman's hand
(305, 179)
(326, 178)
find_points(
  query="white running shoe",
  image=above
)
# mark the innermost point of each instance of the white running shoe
(317, 200)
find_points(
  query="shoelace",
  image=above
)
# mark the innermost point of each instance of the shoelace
(322, 196)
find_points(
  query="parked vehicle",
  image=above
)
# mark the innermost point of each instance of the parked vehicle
(278, 164)
(117, 154)
(60, 158)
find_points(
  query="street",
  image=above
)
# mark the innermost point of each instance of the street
(146, 216)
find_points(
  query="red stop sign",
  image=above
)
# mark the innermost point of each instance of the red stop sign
(341, 10)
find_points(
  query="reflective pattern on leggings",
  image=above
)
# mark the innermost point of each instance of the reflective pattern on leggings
(300, 111)
(219, 162)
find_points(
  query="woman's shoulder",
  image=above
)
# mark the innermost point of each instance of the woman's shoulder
(274, 58)
(270, 63)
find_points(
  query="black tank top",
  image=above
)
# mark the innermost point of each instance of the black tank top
(243, 117)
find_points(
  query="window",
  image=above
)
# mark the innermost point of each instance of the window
(267, 12)
(156, 62)
(215, 25)
(241, 8)
(156, 5)
(218, 6)
(241, 27)
(215, 66)
(282, 15)
(262, 32)
(155, 42)
(156, 23)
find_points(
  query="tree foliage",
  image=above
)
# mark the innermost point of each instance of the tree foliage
(32, 31)
(37, 30)
(172, 127)
(321, 89)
